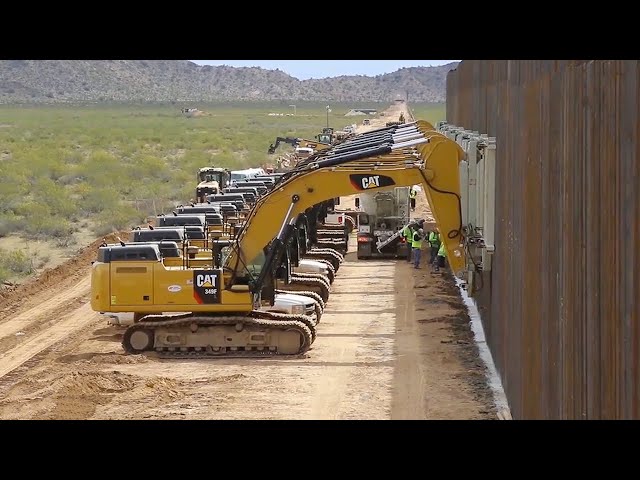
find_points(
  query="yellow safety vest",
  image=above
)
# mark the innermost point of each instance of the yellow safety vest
(416, 243)
(434, 239)
(413, 194)
(442, 252)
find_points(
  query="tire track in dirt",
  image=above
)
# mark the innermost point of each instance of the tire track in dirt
(408, 403)
(358, 329)
(23, 320)
(73, 322)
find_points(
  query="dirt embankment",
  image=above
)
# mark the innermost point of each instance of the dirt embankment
(60, 277)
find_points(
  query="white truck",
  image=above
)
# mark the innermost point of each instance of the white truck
(246, 174)
(312, 266)
(382, 216)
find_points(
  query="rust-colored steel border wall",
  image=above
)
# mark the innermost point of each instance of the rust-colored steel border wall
(561, 306)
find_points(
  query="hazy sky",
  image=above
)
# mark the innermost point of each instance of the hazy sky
(304, 69)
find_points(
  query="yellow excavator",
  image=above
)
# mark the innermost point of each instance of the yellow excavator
(298, 142)
(192, 312)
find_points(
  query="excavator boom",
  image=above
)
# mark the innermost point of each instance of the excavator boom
(401, 156)
(298, 142)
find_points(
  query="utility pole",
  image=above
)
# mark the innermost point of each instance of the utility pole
(328, 110)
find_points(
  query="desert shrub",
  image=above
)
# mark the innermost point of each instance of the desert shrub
(66, 241)
(98, 199)
(122, 218)
(4, 273)
(10, 223)
(102, 169)
(147, 169)
(16, 262)
(5, 229)
(55, 196)
(44, 227)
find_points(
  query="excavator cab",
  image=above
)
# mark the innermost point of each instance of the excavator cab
(327, 135)
(324, 138)
(211, 181)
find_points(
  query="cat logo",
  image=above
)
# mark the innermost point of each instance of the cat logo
(206, 286)
(206, 281)
(367, 182)
(370, 182)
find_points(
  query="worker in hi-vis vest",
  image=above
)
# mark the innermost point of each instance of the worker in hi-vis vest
(416, 245)
(442, 254)
(412, 196)
(407, 235)
(434, 244)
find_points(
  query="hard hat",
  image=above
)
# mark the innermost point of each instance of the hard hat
(420, 230)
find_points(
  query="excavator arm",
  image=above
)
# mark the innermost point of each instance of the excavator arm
(273, 147)
(297, 142)
(407, 155)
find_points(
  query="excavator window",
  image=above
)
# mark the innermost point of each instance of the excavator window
(169, 249)
(128, 253)
(158, 235)
(181, 220)
(194, 233)
(255, 267)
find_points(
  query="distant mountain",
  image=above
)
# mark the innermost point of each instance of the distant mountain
(56, 81)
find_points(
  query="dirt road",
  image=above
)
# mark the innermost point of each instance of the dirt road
(393, 343)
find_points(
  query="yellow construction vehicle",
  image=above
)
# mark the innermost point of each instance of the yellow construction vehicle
(327, 135)
(298, 142)
(222, 303)
(211, 181)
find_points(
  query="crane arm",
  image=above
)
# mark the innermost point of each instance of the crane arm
(417, 155)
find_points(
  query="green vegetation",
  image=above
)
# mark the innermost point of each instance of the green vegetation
(112, 166)
(19, 263)
(432, 113)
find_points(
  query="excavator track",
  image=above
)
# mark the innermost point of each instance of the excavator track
(331, 234)
(339, 247)
(332, 227)
(329, 265)
(329, 250)
(284, 317)
(318, 276)
(330, 241)
(317, 300)
(331, 256)
(258, 334)
(327, 241)
(313, 284)
(331, 274)
(348, 219)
